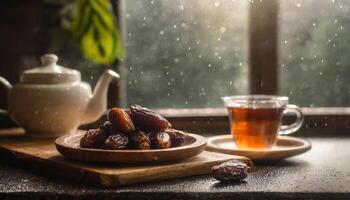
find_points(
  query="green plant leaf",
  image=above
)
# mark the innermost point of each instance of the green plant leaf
(94, 27)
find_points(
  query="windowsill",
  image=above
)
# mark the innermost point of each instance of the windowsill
(318, 174)
(321, 121)
(318, 122)
(219, 112)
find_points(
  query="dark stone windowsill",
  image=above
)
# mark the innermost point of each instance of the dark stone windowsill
(321, 173)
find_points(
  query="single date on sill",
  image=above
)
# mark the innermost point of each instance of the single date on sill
(230, 171)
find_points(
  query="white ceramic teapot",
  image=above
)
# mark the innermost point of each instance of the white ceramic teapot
(51, 100)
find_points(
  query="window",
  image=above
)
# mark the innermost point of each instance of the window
(315, 49)
(185, 53)
(188, 53)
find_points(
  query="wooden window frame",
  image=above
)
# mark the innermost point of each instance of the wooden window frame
(264, 78)
(318, 122)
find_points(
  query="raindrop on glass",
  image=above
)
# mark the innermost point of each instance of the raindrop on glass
(223, 29)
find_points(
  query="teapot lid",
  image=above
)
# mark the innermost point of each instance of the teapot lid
(49, 72)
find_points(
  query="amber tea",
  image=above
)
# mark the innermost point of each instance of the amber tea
(255, 127)
(255, 120)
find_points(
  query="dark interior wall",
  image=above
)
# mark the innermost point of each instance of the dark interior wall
(25, 34)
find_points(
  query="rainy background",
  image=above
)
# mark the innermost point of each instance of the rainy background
(189, 53)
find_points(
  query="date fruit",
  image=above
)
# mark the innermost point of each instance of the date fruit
(107, 128)
(177, 137)
(118, 141)
(120, 120)
(160, 140)
(230, 171)
(147, 120)
(93, 138)
(140, 140)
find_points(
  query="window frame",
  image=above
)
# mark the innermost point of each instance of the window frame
(318, 122)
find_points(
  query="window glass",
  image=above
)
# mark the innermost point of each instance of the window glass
(185, 53)
(315, 49)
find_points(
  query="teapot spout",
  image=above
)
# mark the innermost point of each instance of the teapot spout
(98, 101)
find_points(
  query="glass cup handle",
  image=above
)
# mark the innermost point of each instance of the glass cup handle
(288, 129)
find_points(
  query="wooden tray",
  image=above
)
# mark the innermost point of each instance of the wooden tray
(69, 147)
(43, 154)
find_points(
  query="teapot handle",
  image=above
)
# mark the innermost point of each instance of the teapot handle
(8, 86)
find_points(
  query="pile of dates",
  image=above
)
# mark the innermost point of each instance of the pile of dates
(135, 128)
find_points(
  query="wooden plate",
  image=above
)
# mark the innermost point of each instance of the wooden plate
(285, 147)
(69, 147)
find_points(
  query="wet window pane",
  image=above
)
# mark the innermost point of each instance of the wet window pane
(315, 49)
(185, 53)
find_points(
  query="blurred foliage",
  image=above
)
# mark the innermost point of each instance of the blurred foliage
(317, 68)
(94, 26)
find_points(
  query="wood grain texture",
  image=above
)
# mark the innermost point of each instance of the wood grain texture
(42, 154)
(285, 147)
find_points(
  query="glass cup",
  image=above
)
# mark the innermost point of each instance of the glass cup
(256, 120)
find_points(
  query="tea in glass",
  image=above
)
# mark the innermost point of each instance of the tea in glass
(255, 120)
